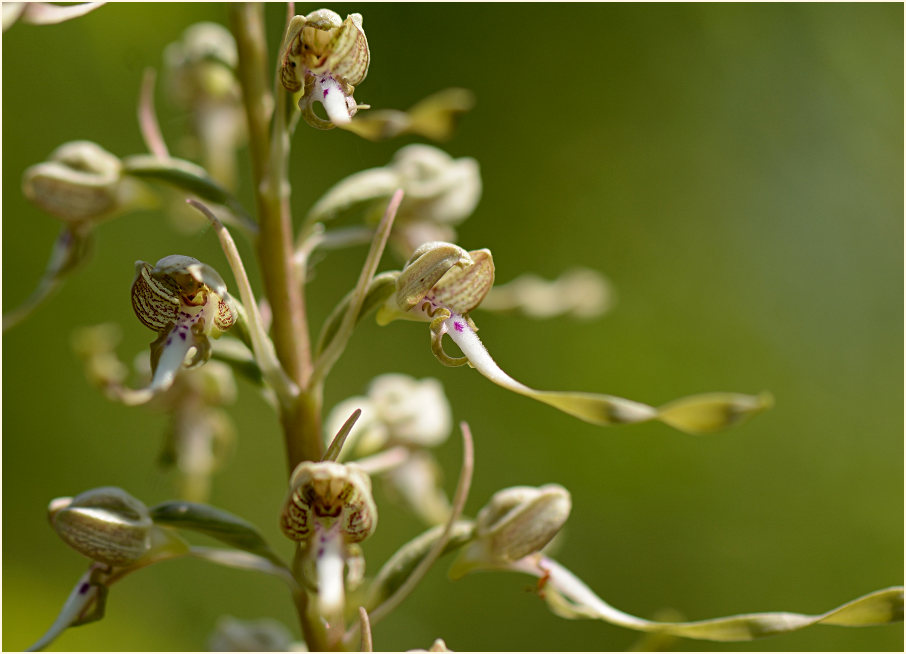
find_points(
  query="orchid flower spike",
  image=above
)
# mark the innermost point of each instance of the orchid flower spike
(185, 302)
(442, 283)
(325, 57)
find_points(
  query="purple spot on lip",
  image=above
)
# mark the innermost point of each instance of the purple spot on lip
(458, 326)
(84, 588)
(182, 335)
(326, 91)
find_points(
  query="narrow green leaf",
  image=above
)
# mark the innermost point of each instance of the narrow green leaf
(381, 288)
(216, 523)
(186, 176)
(328, 356)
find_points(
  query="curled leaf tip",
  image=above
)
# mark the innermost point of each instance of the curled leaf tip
(712, 412)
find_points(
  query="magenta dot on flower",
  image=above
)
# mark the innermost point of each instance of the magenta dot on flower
(326, 91)
(458, 326)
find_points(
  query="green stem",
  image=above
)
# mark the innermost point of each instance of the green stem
(312, 629)
(301, 418)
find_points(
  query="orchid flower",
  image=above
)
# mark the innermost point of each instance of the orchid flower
(518, 522)
(442, 283)
(185, 302)
(325, 57)
(328, 511)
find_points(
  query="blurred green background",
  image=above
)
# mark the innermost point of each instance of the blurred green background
(735, 170)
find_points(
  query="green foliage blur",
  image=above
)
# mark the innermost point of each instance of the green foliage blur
(735, 170)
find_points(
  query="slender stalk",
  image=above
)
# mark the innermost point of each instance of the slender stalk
(147, 117)
(276, 231)
(459, 502)
(261, 344)
(365, 626)
(335, 348)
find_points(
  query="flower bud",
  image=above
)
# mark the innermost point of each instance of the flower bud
(202, 82)
(441, 284)
(580, 292)
(440, 192)
(324, 494)
(438, 187)
(418, 482)
(463, 288)
(521, 520)
(105, 524)
(398, 410)
(518, 521)
(416, 411)
(200, 65)
(80, 181)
